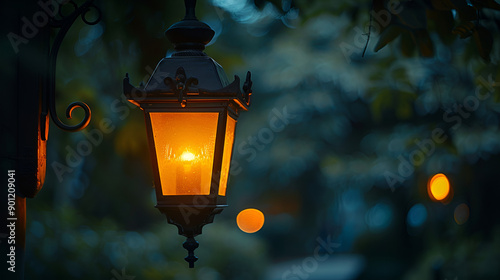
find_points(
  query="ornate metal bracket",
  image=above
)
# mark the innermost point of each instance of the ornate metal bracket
(64, 22)
(181, 84)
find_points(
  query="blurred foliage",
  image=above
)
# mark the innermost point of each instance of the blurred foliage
(414, 21)
(321, 171)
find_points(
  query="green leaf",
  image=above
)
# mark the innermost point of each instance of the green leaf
(388, 35)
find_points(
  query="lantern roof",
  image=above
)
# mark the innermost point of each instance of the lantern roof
(189, 73)
(209, 74)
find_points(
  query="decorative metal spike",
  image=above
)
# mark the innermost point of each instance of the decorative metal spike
(190, 245)
(190, 9)
(247, 87)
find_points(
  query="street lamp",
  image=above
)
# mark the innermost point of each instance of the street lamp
(191, 110)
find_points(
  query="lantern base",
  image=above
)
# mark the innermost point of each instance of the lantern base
(190, 221)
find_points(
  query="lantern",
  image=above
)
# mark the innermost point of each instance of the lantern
(191, 111)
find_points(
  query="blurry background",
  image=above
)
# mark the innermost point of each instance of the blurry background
(341, 177)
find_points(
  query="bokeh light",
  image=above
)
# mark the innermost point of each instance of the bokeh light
(461, 213)
(379, 217)
(250, 220)
(417, 215)
(439, 187)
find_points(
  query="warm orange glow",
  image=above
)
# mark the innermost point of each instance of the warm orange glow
(250, 220)
(187, 156)
(438, 187)
(185, 146)
(226, 158)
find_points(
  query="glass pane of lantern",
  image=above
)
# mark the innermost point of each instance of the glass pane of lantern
(185, 145)
(226, 158)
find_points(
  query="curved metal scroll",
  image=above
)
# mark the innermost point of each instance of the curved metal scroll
(48, 105)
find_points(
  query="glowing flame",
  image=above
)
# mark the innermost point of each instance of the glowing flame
(187, 156)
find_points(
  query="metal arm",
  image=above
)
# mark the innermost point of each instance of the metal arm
(48, 100)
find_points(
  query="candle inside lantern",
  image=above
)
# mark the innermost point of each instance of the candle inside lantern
(188, 175)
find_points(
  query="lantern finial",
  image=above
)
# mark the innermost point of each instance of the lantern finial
(190, 33)
(190, 9)
(190, 245)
